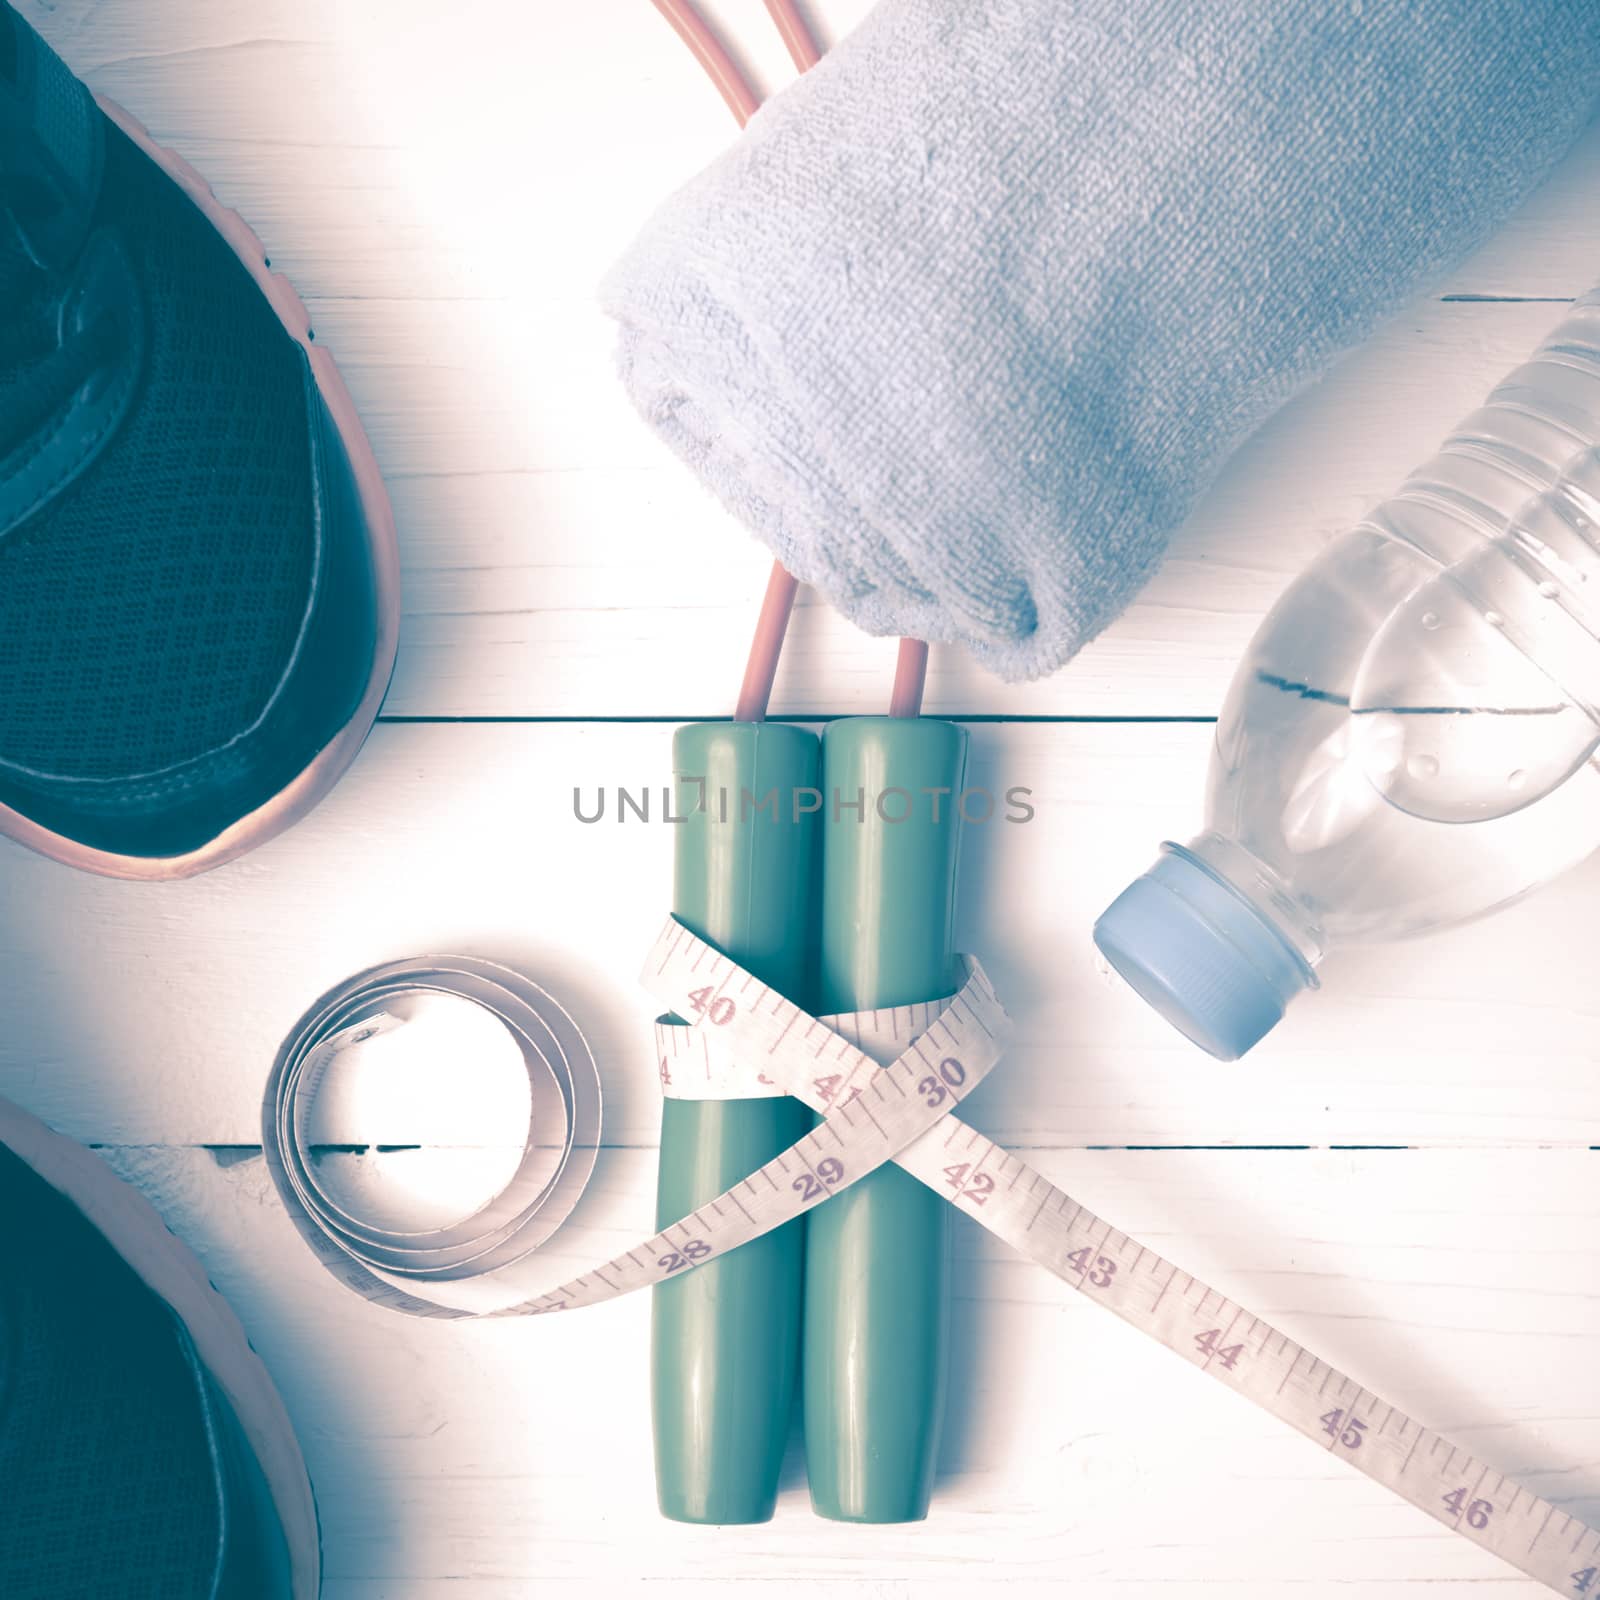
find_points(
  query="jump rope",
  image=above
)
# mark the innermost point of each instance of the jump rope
(886, 1072)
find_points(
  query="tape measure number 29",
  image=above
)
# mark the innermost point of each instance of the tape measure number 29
(905, 1111)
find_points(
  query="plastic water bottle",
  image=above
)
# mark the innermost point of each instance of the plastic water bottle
(1411, 740)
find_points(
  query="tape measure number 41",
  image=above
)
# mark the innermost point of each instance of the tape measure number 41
(889, 1084)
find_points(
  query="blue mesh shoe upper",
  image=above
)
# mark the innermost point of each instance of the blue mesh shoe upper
(175, 506)
(117, 1456)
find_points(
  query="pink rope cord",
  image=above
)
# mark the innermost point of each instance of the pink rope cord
(771, 625)
(797, 37)
(707, 49)
(910, 674)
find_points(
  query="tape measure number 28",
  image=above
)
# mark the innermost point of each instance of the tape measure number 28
(904, 1111)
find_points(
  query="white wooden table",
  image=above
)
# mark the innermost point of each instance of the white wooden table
(1406, 1176)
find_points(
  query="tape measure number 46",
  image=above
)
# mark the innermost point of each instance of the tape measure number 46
(905, 1110)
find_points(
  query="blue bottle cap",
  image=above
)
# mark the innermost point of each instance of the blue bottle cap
(1195, 949)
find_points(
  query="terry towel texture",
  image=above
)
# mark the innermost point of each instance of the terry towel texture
(967, 318)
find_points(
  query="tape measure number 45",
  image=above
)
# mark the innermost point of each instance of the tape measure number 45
(889, 1084)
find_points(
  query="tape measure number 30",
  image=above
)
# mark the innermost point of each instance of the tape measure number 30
(906, 1112)
(889, 1085)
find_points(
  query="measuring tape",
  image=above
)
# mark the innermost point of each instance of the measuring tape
(485, 1261)
(888, 1084)
(696, 1065)
(741, 1021)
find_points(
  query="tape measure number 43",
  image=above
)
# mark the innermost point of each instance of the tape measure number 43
(889, 1085)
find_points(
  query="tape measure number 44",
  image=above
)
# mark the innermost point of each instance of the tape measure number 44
(889, 1084)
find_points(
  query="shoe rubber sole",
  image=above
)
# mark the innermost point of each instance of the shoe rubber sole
(299, 796)
(172, 1272)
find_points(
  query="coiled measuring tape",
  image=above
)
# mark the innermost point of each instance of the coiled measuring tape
(483, 1262)
(888, 1084)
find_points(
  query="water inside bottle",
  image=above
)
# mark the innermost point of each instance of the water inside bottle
(1456, 721)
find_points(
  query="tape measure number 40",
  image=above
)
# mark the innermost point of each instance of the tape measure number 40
(889, 1085)
(905, 1111)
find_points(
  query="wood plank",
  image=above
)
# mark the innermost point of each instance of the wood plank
(309, 117)
(151, 1013)
(468, 1459)
(558, 561)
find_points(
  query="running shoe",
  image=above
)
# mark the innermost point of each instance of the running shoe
(144, 1452)
(199, 595)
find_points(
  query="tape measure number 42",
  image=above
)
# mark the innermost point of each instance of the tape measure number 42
(937, 1056)
(889, 1084)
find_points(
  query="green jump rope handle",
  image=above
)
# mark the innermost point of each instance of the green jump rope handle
(876, 1303)
(724, 1338)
